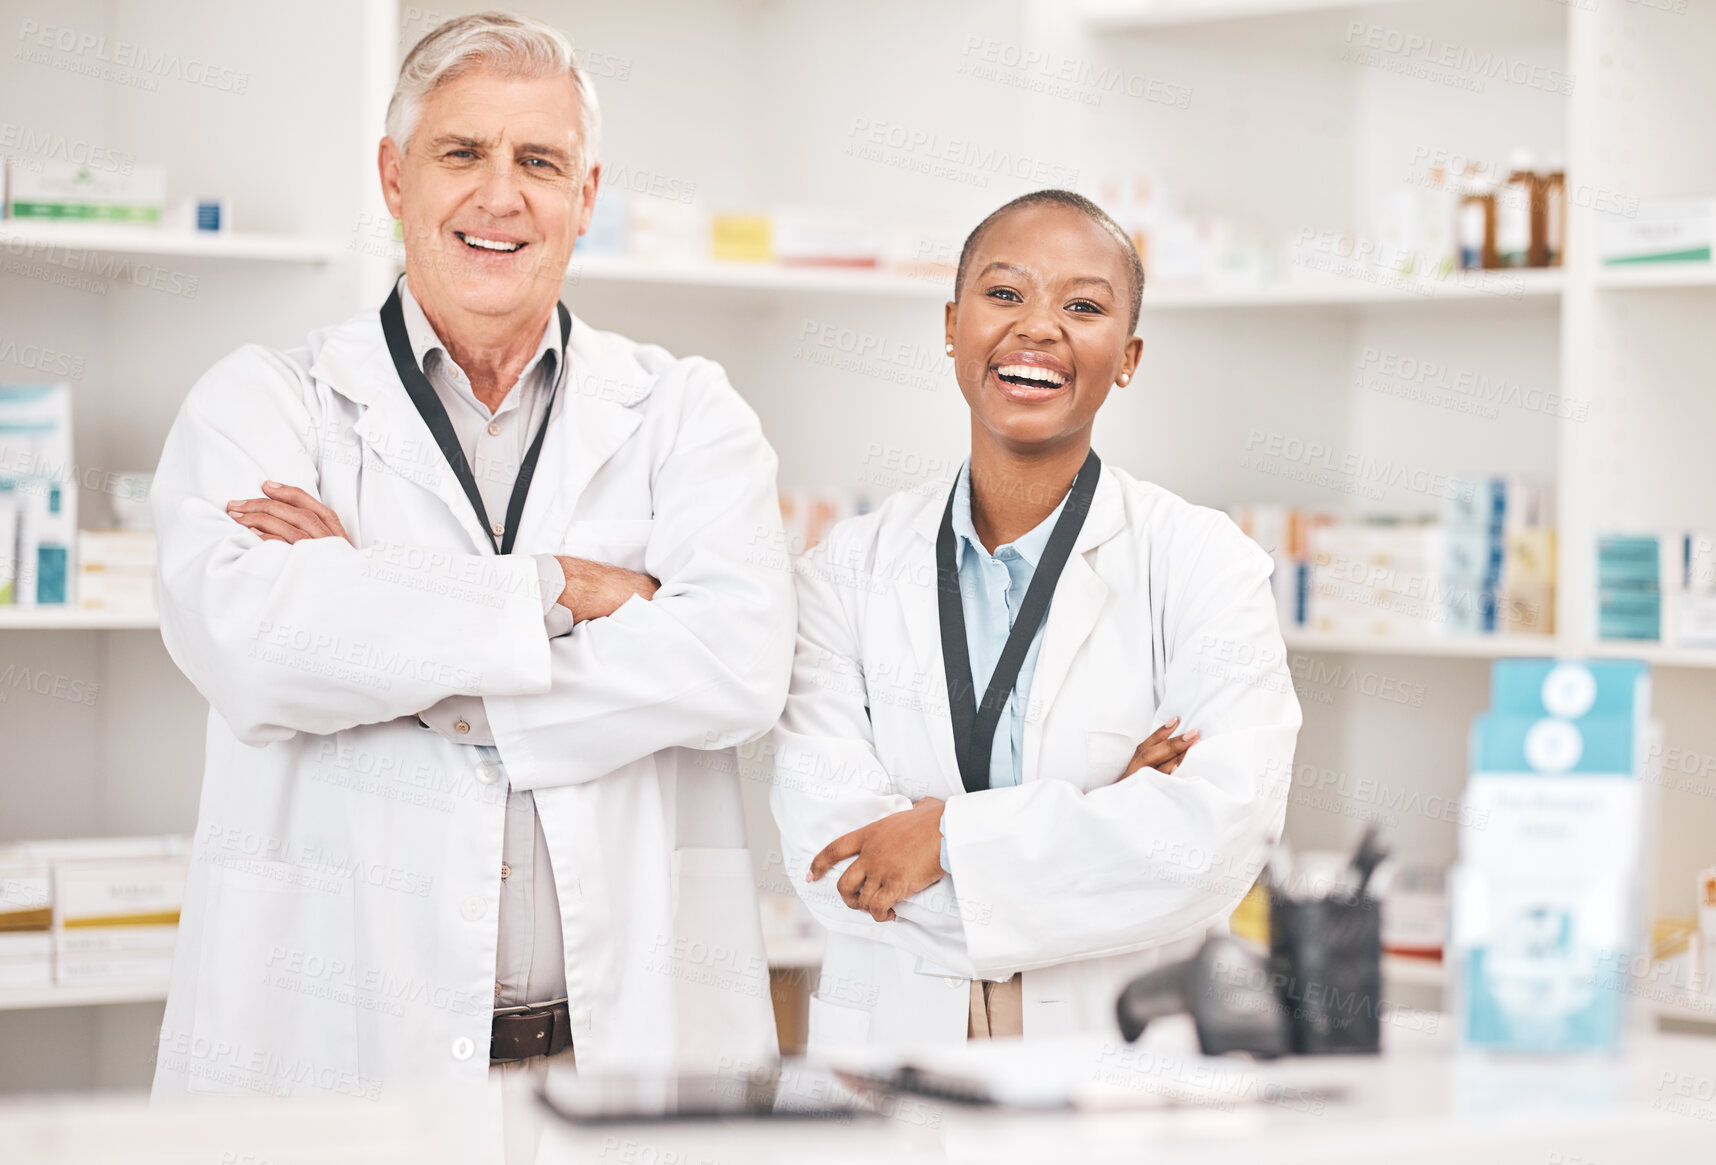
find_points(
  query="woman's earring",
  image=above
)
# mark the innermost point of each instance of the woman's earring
(950, 349)
(1124, 377)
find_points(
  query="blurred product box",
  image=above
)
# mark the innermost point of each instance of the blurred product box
(826, 238)
(1665, 230)
(128, 498)
(1629, 587)
(1285, 534)
(38, 491)
(26, 922)
(1415, 912)
(90, 910)
(116, 920)
(1546, 896)
(116, 571)
(740, 238)
(1499, 573)
(610, 225)
(808, 515)
(924, 245)
(67, 191)
(1376, 579)
(667, 232)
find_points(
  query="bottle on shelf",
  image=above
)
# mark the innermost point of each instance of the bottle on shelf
(1521, 222)
(1554, 184)
(1477, 227)
(1519, 219)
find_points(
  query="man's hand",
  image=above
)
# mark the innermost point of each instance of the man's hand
(286, 514)
(897, 856)
(1161, 751)
(595, 590)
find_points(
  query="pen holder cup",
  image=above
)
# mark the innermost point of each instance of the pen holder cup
(1326, 961)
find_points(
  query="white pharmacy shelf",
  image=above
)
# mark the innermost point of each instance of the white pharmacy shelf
(1499, 647)
(1426, 646)
(1449, 646)
(1119, 15)
(88, 995)
(1646, 276)
(758, 277)
(787, 953)
(131, 240)
(74, 619)
(1487, 287)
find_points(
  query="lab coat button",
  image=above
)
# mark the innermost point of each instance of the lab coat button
(497, 529)
(953, 982)
(494, 428)
(488, 772)
(462, 727)
(506, 871)
(464, 1048)
(473, 908)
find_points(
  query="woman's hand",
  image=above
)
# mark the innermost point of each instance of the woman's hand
(897, 856)
(1161, 751)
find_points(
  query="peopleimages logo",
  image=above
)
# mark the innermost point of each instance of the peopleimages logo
(137, 63)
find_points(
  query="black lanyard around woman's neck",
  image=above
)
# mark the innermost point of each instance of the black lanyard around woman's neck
(974, 726)
(434, 414)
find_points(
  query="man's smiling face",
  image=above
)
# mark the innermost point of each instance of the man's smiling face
(492, 192)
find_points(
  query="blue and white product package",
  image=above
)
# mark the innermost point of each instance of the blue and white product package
(1546, 898)
(36, 467)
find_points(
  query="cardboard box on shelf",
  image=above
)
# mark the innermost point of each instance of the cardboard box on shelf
(67, 191)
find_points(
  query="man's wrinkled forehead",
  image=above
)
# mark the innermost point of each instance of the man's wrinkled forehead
(486, 110)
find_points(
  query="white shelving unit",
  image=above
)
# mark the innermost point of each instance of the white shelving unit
(73, 619)
(1485, 289)
(1656, 276)
(1280, 132)
(120, 240)
(84, 996)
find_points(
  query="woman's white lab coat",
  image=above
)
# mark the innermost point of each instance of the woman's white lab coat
(1076, 878)
(339, 928)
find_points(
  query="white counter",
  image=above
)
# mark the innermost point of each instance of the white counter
(1415, 1104)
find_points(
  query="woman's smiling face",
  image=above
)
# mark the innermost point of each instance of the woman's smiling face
(1042, 326)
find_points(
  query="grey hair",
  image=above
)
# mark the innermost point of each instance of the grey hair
(519, 46)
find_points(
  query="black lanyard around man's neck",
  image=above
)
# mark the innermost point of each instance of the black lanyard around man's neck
(974, 726)
(434, 415)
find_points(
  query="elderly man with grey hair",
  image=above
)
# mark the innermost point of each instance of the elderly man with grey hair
(482, 599)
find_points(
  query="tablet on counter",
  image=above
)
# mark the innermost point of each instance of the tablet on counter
(791, 1090)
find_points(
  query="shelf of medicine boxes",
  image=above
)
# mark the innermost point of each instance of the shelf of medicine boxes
(1488, 287)
(124, 240)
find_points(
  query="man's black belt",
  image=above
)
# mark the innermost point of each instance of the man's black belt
(520, 1033)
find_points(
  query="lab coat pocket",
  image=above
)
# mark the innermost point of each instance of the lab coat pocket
(274, 1014)
(615, 541)
(834, 1026)
(1106, 756)
(717, 962)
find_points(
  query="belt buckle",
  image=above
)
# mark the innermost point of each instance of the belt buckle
(555, 1039)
